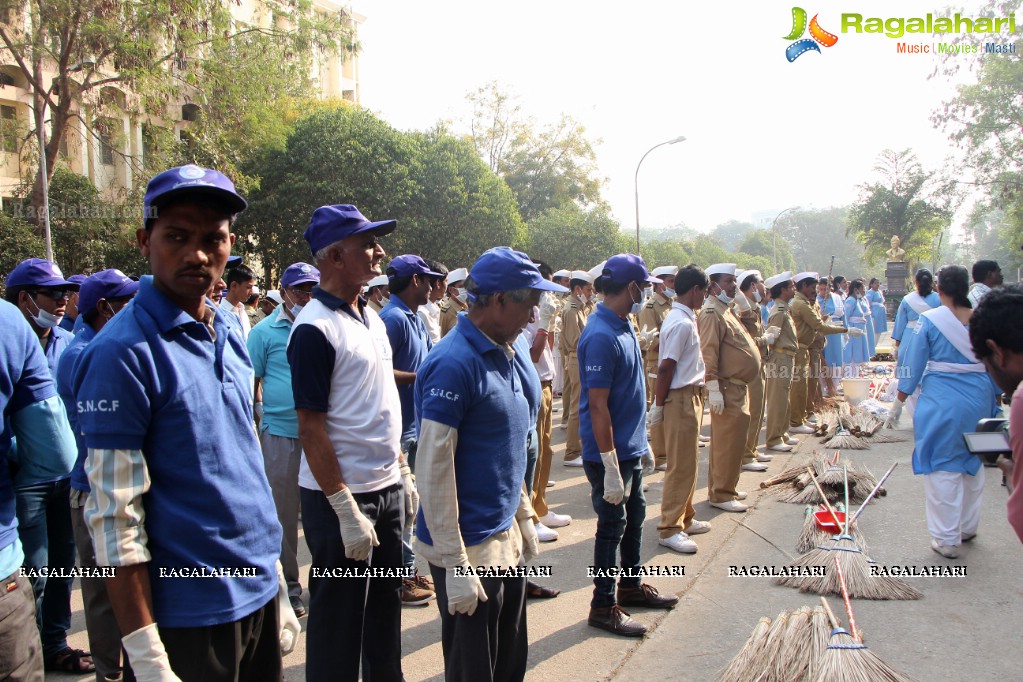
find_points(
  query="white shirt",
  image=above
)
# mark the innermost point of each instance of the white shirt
(680, 341)
(239, 312)
(429, 313)
(977, 292)
(545, 365)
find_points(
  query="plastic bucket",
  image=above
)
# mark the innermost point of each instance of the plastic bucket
(856, 390)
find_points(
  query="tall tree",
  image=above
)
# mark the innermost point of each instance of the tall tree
(731, 233)
(900, 202)
(769, 246)
(815, 235)
(574, 238)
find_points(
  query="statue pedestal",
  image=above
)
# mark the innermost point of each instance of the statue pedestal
(897, 276)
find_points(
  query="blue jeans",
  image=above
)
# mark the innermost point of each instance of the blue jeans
(618, 525)
(532, 454)
(44, 526)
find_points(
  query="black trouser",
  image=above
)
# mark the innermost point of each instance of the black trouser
(492, 643)
(353, 619)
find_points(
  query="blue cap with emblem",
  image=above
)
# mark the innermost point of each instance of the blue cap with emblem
(331, 224)
(37, 272)
(504, 269)
(625, 268)
(110, 283)
(408, 265)
(190, 179)
(300, 273)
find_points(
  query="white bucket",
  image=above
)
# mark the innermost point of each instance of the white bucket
(856, 390)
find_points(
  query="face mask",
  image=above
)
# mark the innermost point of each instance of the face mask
(725, 298)
(462, 295)
(757, 297)
(44, 319)
(583, 298)
(295, 310)
(636, 307)
(669, 293)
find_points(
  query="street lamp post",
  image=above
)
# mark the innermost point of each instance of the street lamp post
(774, 234)
(680, 138)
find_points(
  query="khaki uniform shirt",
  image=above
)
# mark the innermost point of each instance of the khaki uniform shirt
(728, 350)
(377, 307)
(808, 321)
(573, 321)
(652, 317)
(753, 324)
(449, 309)
(781, 318)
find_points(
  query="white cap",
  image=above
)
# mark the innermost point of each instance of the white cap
(255, 290)
(596, 271)
(721, 269)
(665, 271)
(456, 275)
(563, 273)
(275, 296)
(772, 282)
(583, 275)
(379, 280)
(804, 275)
(740, 275)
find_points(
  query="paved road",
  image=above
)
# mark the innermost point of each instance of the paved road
(963, 628)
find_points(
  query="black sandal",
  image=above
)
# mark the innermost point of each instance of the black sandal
(71, 661)
(537, 591)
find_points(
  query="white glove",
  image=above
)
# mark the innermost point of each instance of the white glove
(655, 415)
(649, 336)
(715, 400)
(854, 332)
(771, 335)
(741, 302)
(289, 625)
(548, 312)
(257, 410)
(147, 656)
(893, 414)
(356, 530)
(530, 543)
(649, 463)
(895, 352)
(465, 591)
(411, 495)
(614, 487)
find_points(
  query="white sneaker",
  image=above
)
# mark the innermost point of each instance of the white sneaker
(552, 520)
(741, 495)
(791, 441)
(704, 444)
(679, 542)
(545, 534)
(704, 439)
(812, 419)
(577, 462)
(802, 428)
(947, 551)
(730, 506)
(698, 527)
(781, 447)
(563, 426)
(550, 484)
(764, 458)
(661, 467)
(646, 487)
(754, 466)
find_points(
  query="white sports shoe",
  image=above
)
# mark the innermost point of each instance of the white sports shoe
(765, 458)
(741, 495)
(704, 439)
(577, 462)
(802, 428)
(791, 441)
(754, 466)
(697, 527)
(730, 506)
(679, 542)
(661, 467)
(812, 419)
(552, 520)
(781, 447)
(545, 534)
(947, 551)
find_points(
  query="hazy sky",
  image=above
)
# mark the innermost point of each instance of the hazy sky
(763, 133)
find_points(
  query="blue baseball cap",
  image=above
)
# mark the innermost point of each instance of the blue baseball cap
(625, 268)
(190, 179)
(110, 283)
(504, 269)
(331, 224)
(78, 280)
(37, 272)
(300, 273)
(408, 265)
(233, 261)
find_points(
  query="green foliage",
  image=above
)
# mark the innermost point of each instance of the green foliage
(664, 252)
(816, 235)
(20, 242)
(575, 238)
(730, 233)
(899, 204)
(768, 246)
(705, 250)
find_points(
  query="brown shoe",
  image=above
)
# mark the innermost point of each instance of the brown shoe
(423, 582)
(615, 620)
(645, 595)
(414, 595)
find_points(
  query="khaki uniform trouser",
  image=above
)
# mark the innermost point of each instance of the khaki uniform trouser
(544, 423)
(813, 383)
(797, 393)
(573, 446)
(727, 442)
(779, 378)
(566, 387)
(656, 432)
(681, 428)
(757, 389)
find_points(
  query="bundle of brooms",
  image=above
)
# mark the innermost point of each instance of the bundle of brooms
(788, 649)
(816, 577)
(812, 535)
(793, 485)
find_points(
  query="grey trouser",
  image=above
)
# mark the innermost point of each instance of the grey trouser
(281, 457)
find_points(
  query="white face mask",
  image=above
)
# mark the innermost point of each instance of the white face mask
(583, 298)
(669, 293)
(725, 298)
(295, 310)
(462, 295)
(757, 297)
(45, 319)
(636, 307)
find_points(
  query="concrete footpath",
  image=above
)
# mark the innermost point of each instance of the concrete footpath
(963, 629)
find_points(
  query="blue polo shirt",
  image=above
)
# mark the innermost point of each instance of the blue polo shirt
(410, 342)
(56, 343)
(155, 380)
(65, 381)
(609, 357)
(268, 350)
(468, 383)
(24, 380)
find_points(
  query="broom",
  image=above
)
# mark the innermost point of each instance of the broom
(813, 535)
(772, 649)
(820, 628)
(847, 658)
(888, 436)
(741, 669)
(790, 475)
(844, 440)
(794, 658)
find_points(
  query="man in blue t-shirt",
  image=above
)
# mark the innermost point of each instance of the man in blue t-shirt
(410, 281)
(477, 399)
(612, 425)
(180, 505)
(31, 411)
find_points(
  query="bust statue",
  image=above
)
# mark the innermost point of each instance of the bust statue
(896, 253)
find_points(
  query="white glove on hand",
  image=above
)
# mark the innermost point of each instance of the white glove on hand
(648, 461)
(894, 413)
(614, 487)
(530, 543)
(655, 415)
(742, 303)
(715, 399)
(411, 494)
(649, 336)
(356, 530)
(147, 656)
(289, 625)
(465, 591)
(771, 335)
(548, 311)
(854, 332)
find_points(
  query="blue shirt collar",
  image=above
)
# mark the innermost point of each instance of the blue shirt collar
(281, 318)
(611, 318)
(334, 303)
(165, 312)
(477, 339)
